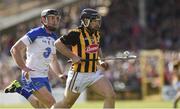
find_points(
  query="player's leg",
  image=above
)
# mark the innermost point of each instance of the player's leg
(177, 98)
(44, 96)
(104, 88)
(43, 91)
(69, 96)
(15, 86)
(68, 100)
(35, 102)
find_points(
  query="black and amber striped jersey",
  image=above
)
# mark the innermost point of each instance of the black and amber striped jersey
(85, 45)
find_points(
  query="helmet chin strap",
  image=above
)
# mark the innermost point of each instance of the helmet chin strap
(86, 24)
(50, 28)
(45, 23)
(91, 29)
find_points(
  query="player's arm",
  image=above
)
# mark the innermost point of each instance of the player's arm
(17, 52)
(63, 49)
(69, 39)
(55, 65)
(100, 62)
(100, 53)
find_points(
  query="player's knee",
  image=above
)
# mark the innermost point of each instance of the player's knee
(50, 102)
(68, 103)
(111, 95)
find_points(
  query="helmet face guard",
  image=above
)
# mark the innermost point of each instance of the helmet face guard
(49, 12)
(87, 15)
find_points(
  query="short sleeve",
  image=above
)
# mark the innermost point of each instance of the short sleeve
(71, 38)
(26, 40)
(32, 35)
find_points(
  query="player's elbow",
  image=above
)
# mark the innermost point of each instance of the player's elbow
(56, 43)
(13, 50)
(59, 45)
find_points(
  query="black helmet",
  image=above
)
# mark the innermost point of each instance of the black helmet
(47, 12)
(89, 14)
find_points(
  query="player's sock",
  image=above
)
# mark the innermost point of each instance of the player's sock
(15, 86)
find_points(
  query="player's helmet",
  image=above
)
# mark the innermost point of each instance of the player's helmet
(89, 14)
(47, 12)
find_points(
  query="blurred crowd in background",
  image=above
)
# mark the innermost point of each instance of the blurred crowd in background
(121, 30)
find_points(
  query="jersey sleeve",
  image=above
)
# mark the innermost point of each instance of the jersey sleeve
(25, 39)
(71, 38)
(32, 35)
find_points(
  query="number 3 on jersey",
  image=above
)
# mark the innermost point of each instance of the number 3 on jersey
(47, 52)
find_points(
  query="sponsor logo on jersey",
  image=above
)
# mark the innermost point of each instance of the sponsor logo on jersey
(93, 48)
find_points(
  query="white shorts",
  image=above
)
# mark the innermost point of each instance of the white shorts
(78, 82)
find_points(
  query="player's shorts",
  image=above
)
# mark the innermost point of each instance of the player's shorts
(35, 84)
(78, 82)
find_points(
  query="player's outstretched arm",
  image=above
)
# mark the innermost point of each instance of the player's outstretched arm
(55, 66)
(102, 63)
(66, 51)
(17, 52)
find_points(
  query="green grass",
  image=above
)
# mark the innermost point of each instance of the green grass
(119, 104)
(127, 104)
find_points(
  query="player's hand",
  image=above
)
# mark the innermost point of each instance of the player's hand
(26, 75)
(26, 71)
(104, 65)
(76, 59)
(63, 78)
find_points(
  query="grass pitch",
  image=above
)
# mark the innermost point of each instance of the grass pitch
(133, 104)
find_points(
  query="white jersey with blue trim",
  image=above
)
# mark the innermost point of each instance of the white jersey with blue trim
(40, 48)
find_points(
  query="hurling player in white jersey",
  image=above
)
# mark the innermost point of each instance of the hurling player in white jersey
(40, 57)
